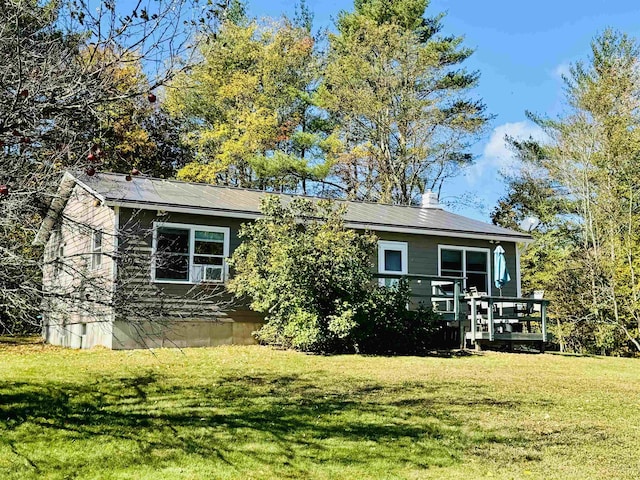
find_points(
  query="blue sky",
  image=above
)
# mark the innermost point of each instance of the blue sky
(521, 50)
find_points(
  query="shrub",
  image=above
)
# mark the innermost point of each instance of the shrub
(312, 277)
(387, 326)
(301, 267)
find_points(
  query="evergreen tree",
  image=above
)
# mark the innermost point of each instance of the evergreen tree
(590, 171)
(399, 98)
(249, 106)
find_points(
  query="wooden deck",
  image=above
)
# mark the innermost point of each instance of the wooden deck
(480, 320)
(506, 319)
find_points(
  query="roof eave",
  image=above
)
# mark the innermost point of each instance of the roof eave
(252, 215)
(68, 182)
(55, 208)
(441, 232)
(89, 189)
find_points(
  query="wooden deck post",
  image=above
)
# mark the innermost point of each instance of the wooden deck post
(473, 320)
(543, 319)
(457, 312)
(490, 319)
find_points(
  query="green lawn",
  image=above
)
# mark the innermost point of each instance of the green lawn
(253, 412)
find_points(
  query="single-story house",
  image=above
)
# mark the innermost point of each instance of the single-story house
(121, 254)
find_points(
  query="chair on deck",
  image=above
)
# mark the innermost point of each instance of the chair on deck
(442, 295)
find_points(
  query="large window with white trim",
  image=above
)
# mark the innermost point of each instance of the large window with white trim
(470, 263)
(392, 259)
(189, 253)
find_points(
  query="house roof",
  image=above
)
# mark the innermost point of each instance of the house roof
(177, 196)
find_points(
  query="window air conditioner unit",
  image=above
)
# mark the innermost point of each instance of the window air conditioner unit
(209, 273)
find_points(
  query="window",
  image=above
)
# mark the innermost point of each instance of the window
(208, 259)
(189, 253)
(392, 259)
(58, 244)
(469, 262)
(96, 249)
(172, 253)
(57, 252)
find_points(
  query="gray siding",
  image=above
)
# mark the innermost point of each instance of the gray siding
(170, 314)
(423, 255)
(422, 250)
(77, 306)
(153, 314)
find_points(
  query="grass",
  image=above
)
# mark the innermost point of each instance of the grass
(254, 413)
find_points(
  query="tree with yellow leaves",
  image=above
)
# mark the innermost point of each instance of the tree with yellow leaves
(249, 106)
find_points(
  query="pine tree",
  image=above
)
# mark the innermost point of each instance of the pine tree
(400, 100)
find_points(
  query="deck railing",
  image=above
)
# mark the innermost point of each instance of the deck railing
(443, 294)
(478, 318)
(507, 318)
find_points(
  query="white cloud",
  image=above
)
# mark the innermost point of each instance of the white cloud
(497, 155)
(562, 70)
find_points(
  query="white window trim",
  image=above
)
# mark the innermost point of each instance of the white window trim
(518, 279)
(464, 261)
(192, 241)
(403, 247)
(96, 253)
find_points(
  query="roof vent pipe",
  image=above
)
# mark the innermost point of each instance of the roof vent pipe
(430, 200)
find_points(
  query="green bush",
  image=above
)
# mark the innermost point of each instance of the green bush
(301, 267)
(312, 278)
(387, 326)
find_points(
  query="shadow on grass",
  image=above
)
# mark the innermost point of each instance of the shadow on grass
(14, 340)
(576, 355)
(283, 423)
(447, 353)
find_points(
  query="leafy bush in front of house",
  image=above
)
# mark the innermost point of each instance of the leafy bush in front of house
(312, 278)
(386, 326)
(308, 273)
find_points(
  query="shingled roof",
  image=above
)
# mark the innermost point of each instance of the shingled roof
(176, 196)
